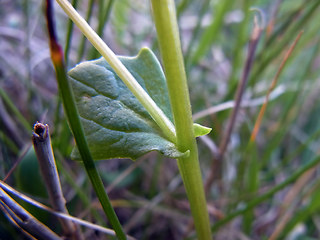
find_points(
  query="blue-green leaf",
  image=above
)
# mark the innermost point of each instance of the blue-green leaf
(115, 123)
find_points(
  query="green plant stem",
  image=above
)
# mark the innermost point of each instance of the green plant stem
(77, 130)
(147, 102)
(169, 40)
(76, 126)
(65, 170)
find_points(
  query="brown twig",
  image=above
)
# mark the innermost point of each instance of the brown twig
(42, 146)
(217, 161)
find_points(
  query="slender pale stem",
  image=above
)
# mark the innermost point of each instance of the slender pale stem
(169, 40)
(156, 113)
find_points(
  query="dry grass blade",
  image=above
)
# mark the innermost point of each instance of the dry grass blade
(273, 85)
(216, 164)
(20, 217)
(101, 229)
(124, 174)
(155, 201)
(244, 103)
(22, 155)
(289, 199)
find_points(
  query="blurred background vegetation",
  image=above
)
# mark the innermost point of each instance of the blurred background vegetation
(148, 194)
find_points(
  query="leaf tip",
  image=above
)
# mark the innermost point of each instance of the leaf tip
(200, 130)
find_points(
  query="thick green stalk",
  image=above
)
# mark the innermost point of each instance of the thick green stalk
(169, 40)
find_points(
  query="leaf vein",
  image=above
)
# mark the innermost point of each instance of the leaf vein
(113, 129)
(149, 121)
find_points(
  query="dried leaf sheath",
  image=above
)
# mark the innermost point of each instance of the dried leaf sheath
(42, 146)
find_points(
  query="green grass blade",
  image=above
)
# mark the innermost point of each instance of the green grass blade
(211, 33)
(82, 44)
(69, 35)
(303, 214)
(103, 17)
(15, 110)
